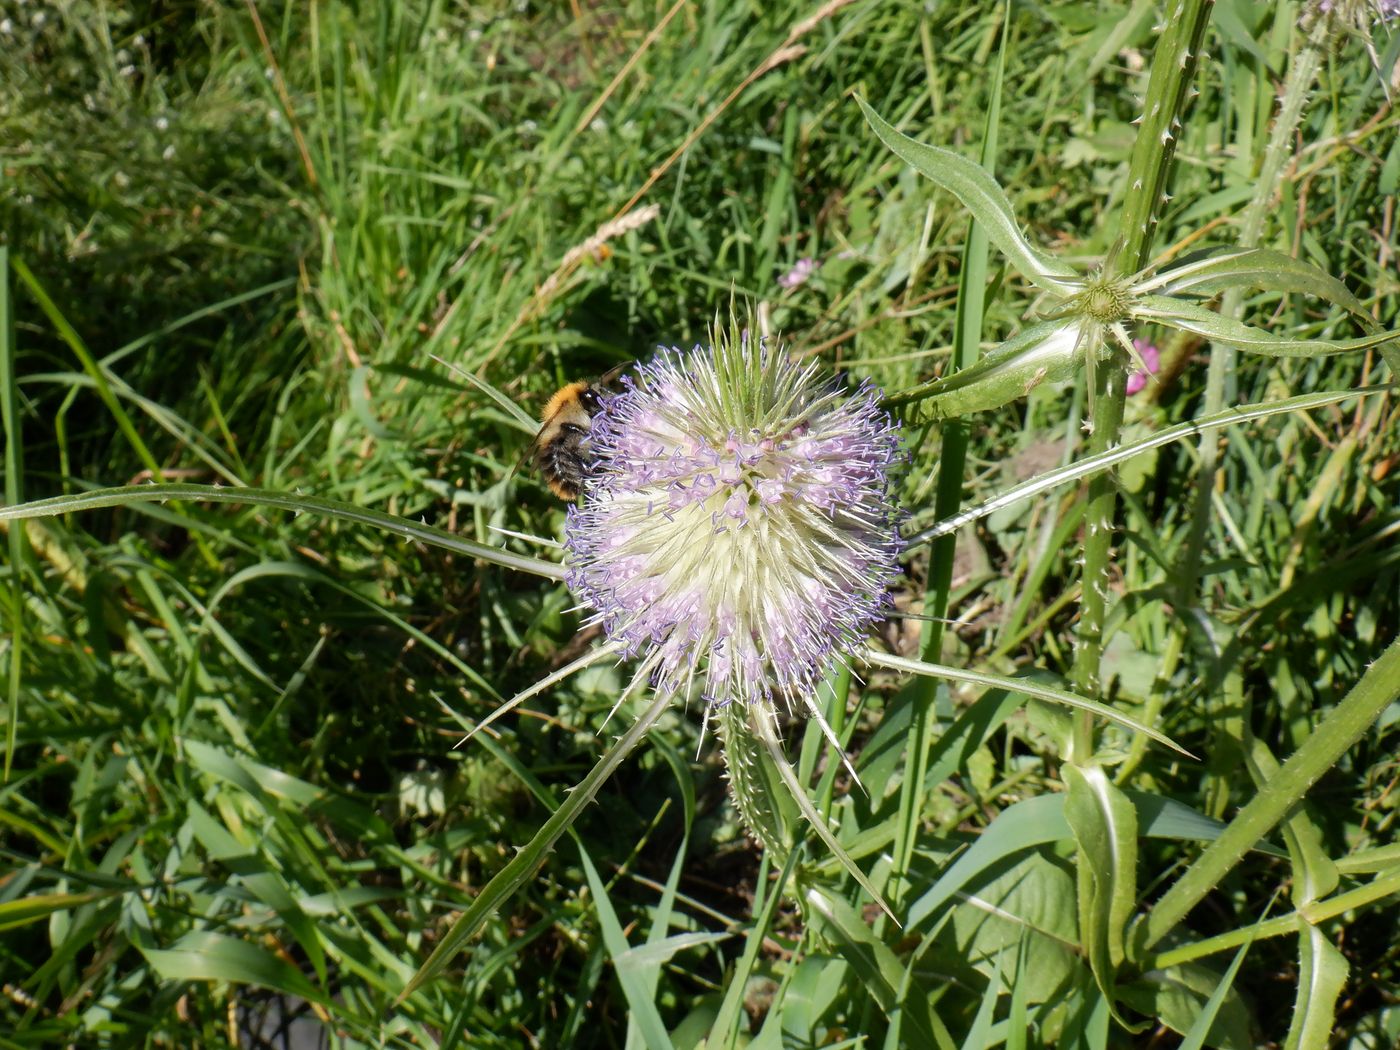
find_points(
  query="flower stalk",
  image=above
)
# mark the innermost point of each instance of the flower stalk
(1169, 88)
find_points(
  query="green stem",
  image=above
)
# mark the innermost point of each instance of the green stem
(1348, 722)
(972, 292)
(1378, 889)
(1168, 88)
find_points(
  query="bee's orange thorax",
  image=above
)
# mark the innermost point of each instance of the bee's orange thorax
(562, 397)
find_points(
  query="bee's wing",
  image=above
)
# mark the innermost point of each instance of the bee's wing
(607, 377)
(529, 453)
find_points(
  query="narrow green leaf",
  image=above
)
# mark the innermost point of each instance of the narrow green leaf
(1262, 268)
(764, 725)
(1018, 1019)
(41, 905)
(1191, 317)
(1199, 1032)
(530, 856)
(14, 473)
(130, 495)
(1026, 686)
(203, 955)
(877, 966)
(979, 193)
(724, 1034)
(518, 415)
(641, 1007)
(1165, 818)
(253, 870)
(980, 1031)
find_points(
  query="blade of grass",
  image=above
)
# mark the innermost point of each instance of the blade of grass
(298, 504)
(510, 878)
(14, 494)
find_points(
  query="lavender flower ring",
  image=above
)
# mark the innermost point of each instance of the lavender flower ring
(737, 528)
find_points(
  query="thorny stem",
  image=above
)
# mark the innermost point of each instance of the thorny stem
(1168, 89)
(1301, 74)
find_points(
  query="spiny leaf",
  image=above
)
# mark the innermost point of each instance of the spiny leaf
(979, 193)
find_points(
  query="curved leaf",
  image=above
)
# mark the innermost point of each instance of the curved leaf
(1262, 268)
(1322, 972)
(1190, 317)
(128, 495)
(1033, 822)
(979, 193)
(1104, 825)
(203, 955)
(1017, 685)
(1046, 351)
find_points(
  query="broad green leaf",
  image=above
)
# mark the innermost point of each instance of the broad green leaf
(1025, 686)
(979, 193)
(1029, 900)
(203, 955)
(1262, 268)
(1322, 972)
(1191, 317)
(1046, 352)
(1018, 827)
(1041, 820)
(1104, 825)
(1179, 995)
(530, 856)
(132, 495)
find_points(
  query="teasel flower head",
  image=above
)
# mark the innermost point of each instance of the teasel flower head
(737, 529)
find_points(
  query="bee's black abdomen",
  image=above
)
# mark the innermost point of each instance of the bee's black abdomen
(564, 463)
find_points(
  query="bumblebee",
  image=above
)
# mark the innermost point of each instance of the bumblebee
(560, 449)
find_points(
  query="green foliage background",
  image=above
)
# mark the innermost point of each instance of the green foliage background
(240, 236)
